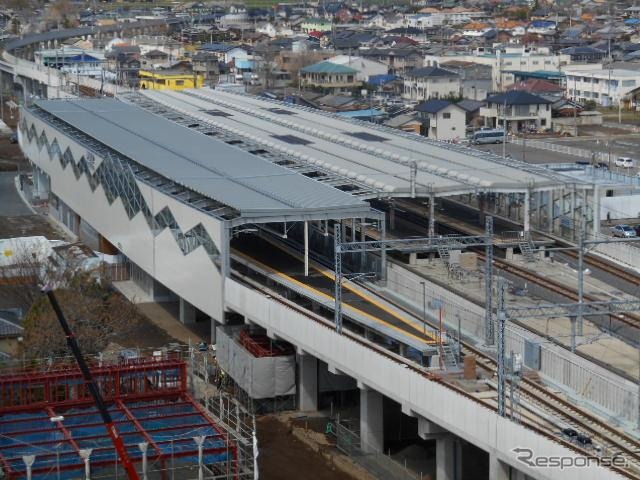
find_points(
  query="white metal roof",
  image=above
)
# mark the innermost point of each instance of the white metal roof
(379, 156)
(213, 168)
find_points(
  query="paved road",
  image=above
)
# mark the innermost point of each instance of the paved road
(529, 155)
(11, 203)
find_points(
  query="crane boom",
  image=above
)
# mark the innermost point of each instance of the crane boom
(93, 389)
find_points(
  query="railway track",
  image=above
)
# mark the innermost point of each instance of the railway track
(594, 261)
(563, 411)
(629, 319)
(609, 438)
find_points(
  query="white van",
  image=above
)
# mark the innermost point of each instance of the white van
(625, 162)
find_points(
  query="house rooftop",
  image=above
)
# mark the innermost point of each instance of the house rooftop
(517, 97)
(328, 67)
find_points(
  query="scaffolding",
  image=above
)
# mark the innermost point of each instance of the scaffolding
(50, 428)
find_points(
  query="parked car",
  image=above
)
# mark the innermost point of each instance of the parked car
(623, 231)
(625, 162)
(602, 165)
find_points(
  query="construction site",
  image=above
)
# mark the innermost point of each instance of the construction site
(50, 426)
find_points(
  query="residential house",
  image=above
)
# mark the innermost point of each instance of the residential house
(146, 43)
(521, 110)
(397, 60)
(226, 52)
(605, 87)
(331, 76)
(316, 25)
(431, 82)
(169, 80)
(442, 119)
(405, 122)
(155, 59)
(475, 79)
(206, 64)
(365, 68)
(123, 64)
(542, 27)
(518, 58)
(584, 53)
(452, 16)
(537, 86)
(472, 112)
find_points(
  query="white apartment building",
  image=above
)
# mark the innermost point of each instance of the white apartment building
(518, 58)
(451, 16)
(605, 87)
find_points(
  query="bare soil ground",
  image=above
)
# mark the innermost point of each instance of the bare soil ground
(284, 457)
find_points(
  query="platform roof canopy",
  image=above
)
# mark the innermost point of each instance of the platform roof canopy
(377, 156)
(254, 186)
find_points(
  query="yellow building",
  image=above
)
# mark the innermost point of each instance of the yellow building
(169, 80)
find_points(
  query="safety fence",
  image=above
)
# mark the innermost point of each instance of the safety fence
(624, 253)
(589, 382)
(381, 464)
(564, 149)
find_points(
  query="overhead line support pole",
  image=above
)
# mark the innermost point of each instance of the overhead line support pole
(502, 320)
(488, 283)
(337, 311)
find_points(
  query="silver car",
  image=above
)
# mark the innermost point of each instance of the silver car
(623, 231)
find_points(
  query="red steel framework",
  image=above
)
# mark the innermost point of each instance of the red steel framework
(263, 346)
(140, 390)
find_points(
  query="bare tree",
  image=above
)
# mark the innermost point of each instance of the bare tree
(96, 312)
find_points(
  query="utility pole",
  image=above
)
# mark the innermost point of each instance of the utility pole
(504, 128)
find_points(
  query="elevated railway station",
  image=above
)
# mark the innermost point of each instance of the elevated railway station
(264, 188)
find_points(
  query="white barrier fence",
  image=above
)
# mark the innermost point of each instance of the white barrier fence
(588, 381)
(624, 253)
(565, 149)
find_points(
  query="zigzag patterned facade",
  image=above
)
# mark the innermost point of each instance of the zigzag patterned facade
(118, 181)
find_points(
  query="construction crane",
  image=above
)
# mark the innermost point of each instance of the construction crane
(93, 388)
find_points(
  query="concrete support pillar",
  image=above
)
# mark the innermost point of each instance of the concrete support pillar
(550, 200)
(498, 470)
(307, 382)
(371, 421)
(527, 211)
(187, 312)
(446, 458)
(214, 331)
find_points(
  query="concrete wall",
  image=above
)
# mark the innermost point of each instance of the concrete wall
(623, 206)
